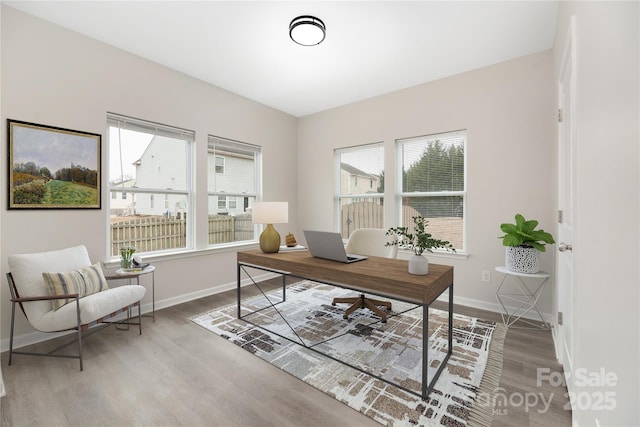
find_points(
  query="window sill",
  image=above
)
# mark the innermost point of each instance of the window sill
(114, 262)
(406, 254)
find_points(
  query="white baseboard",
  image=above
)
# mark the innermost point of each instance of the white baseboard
(35, 337)
(492, 306)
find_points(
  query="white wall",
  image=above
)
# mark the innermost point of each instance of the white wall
(508, 111)
(607, 236)
(56, 77)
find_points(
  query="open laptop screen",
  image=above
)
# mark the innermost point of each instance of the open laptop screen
(328, 245)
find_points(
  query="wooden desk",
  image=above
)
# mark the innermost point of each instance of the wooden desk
(379, 276)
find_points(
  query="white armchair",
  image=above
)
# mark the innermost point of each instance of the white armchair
(39, 281)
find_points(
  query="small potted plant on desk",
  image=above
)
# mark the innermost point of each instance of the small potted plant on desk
(418, 241)
(523, 245)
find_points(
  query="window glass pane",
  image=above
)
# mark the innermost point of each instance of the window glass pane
(433, 169)
(361, 212)
(148, 233)
(434, 163)
(445, 216)
(238, 162)
(233, 173)
(361, 171)
(148, 163)
(227, 228)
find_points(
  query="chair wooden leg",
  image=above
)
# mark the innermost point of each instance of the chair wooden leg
(350, 300)
(358, 304)
(373, 307)
(363, 302)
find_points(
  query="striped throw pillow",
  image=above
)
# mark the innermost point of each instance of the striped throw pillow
(84, 281)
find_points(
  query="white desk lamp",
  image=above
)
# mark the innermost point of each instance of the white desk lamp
(270, 213)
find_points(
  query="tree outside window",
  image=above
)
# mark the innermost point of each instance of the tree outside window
(433, 183)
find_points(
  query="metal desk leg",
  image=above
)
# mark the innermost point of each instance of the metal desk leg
(153, 295)
(427, 386)
(238, 289)
(425, 351)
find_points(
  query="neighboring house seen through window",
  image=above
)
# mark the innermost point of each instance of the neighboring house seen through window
(361, 178)
(234, 172)
(430, 176)
(146, 160)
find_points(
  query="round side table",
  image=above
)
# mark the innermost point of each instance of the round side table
(121, 273)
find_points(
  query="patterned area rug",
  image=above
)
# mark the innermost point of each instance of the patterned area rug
(393, 351)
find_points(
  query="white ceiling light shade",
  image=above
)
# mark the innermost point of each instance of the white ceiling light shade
(307, 30)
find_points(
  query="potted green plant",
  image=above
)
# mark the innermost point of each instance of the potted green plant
(523, 244)
(418, 241)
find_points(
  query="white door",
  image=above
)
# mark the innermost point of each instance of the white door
(567, 144)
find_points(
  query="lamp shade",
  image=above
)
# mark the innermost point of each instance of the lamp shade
(270, 212)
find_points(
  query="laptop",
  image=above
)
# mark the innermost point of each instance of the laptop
(328, 245)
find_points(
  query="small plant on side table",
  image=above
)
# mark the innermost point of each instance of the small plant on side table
(418, 241)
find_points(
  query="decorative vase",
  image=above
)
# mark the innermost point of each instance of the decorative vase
(418, 265)
(522, 259)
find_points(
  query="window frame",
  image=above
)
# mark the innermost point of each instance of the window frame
(234, 196)
(339, 197)
(159, 129)
(222, 166)
(401, 195)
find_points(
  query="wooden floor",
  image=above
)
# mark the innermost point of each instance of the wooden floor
(178, 374)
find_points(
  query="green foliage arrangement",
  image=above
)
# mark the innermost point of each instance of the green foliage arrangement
(419, 241)
(524, 233)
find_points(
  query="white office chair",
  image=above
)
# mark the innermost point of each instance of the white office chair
(371, 242)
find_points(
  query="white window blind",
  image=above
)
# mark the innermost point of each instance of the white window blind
(433, 184)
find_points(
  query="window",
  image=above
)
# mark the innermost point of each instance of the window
(433, 185)
(149, 160)
(219, 164)
(361, 186)
(222, 203)
(233, 174)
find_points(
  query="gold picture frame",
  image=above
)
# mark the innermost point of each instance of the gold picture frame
(52, 167)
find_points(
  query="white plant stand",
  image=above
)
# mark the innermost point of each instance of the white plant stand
(526, 293)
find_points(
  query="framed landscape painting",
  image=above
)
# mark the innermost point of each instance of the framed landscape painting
(53, 168)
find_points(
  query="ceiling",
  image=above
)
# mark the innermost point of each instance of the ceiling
(371, 48)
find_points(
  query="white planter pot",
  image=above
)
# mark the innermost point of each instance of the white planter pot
(418, 265)
(522, 260)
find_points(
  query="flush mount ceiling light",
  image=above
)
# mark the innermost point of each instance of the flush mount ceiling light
(307, 30)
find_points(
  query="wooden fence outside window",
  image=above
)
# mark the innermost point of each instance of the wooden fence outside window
(157, 233)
